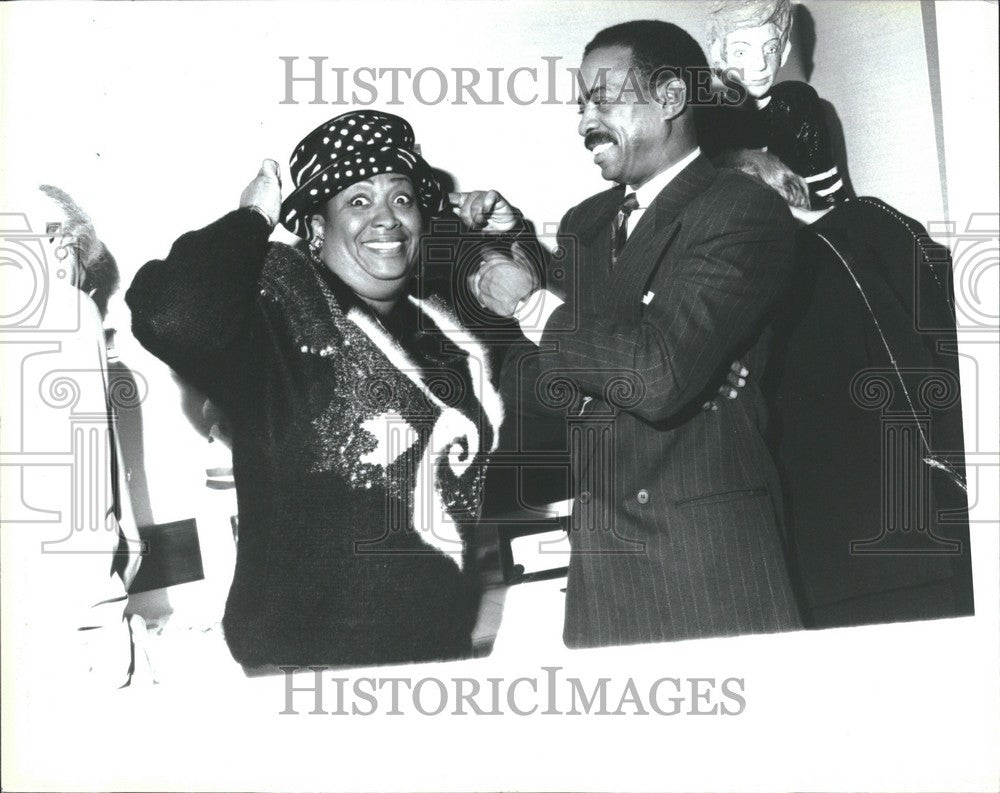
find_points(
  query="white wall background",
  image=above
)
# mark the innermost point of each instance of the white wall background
(155, 116)
(870, 63)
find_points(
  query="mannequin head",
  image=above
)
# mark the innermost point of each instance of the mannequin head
(751, 36)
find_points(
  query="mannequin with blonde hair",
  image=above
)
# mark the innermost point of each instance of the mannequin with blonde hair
(749, 42)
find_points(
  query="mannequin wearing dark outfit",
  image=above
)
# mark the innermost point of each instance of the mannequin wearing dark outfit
(791, 126)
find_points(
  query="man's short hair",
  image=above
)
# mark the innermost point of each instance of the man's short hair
(726, 16)
(770, 172)
(657, 48)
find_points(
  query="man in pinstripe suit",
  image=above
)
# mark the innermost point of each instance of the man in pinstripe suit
(675, 533)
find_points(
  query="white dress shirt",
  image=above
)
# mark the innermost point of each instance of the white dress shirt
(534, 311)
(646, 194)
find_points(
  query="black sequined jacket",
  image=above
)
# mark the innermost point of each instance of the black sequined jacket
(792, 126)
(345, 427)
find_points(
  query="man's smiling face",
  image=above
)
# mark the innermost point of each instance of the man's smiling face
(621, 123)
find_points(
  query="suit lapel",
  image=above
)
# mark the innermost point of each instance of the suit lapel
(656, 229)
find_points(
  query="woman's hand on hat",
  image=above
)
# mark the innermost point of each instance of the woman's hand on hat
(485, 210)
(264, 193)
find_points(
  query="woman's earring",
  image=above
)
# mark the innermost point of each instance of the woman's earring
(315, 246)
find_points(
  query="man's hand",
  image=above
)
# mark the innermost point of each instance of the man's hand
(502, 281)
(485, 210)
(736, 378)
(264, 192)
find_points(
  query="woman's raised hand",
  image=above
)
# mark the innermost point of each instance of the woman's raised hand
(264, 192)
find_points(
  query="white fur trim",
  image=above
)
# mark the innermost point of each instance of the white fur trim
(430, 515)
(487, 395)
(393, 434)
(397, 357)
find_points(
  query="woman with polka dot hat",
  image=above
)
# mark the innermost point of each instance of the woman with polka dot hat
(361, 414)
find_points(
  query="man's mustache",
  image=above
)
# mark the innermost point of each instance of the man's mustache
(596, 139)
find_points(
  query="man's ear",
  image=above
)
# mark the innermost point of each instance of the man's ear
(785, 51)
(671, 95)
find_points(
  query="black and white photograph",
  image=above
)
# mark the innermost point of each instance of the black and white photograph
(529, 395)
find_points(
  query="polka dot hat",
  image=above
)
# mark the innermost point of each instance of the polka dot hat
(348, 149)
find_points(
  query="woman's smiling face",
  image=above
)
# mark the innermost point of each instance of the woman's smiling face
(371, 236)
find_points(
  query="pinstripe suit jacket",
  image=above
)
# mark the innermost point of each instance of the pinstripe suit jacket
(674, 533)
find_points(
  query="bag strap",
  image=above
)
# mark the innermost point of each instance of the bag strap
(846, 259)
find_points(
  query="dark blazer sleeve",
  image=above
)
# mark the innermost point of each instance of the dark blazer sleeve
(197, 309)
(713, 292)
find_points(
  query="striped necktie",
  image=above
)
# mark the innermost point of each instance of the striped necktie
(619, 229)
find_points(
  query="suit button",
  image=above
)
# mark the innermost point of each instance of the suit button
(642, 496)
(585, 497)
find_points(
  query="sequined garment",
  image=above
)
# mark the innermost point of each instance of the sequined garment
(346, 427)
(792, 126)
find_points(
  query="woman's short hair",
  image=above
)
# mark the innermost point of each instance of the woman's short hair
(98, 276)
(769, 171)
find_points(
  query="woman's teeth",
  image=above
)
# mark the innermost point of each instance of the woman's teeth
(384, 247)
